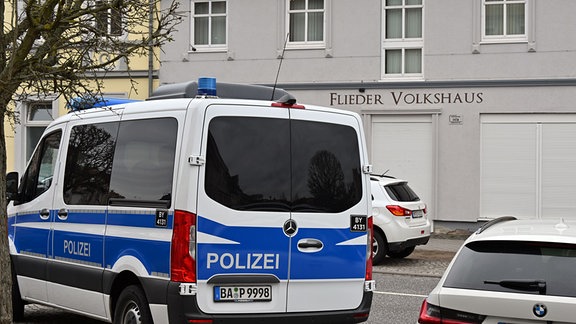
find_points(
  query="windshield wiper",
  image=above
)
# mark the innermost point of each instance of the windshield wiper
(521, 284)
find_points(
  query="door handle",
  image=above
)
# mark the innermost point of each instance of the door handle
(44, 214)
(63, 214)
(308, 245)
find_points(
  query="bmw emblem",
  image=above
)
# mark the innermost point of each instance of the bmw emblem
(539, 310)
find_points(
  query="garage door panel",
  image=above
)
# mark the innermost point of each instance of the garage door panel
(508, 185)
(403, 144)
(558, 170)
(528, 166)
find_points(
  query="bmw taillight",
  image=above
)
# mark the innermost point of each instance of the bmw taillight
(432, 314)
(399, 210)
(183, 253)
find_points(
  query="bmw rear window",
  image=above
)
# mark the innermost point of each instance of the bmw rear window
(512, 266)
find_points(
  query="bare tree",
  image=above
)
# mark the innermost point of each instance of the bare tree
(65, 48)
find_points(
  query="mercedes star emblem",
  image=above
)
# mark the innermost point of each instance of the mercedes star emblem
(290, 227)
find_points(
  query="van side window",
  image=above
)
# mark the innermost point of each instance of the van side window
(266, 164)
(89, 164)
(143, 167)
(38, 177)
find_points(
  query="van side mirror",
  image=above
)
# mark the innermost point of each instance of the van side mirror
(12, 186)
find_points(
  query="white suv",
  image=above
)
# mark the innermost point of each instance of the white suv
(509, 271)
(400, 218)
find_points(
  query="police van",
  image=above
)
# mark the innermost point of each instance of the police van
(207, 203)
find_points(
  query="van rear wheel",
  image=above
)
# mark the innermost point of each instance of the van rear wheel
(132, 307)
(379, 247)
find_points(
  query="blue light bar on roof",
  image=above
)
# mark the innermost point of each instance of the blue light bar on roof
(81, 103)
(207, 86)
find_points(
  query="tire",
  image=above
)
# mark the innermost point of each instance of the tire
(402, 253)
(379, 247)
(132, 307)
(17, 302)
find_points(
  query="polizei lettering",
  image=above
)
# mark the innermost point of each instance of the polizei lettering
(77, 248)
(256, 261)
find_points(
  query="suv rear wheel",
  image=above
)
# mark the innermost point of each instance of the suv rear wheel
(379, 247)
(401, 253)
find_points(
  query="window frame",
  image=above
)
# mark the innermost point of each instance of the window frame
(208, 47)
(505, 38)
(308, 44)
(23, 151)
(403, 43)
(110, 15)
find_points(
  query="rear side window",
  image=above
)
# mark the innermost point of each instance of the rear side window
(144, 163)
(266, 164)
(401, 192)
(496, 265)
(89, 164)
(130, 163)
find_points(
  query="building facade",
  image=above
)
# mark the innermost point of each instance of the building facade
(472, 101)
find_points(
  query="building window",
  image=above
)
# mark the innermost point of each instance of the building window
(306, 22)
(209, 24)
(109, 19)
(504, 20)
(38, 116)
(403, 39)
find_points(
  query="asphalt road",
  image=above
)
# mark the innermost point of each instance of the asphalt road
(401, 286)
(398, 298)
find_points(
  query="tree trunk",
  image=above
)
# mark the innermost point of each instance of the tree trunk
(5, 271)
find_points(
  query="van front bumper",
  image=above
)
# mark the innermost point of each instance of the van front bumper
(184, 309)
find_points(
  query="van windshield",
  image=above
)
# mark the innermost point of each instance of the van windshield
(267, 164)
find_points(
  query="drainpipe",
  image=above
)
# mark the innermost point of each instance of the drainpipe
(151, 4)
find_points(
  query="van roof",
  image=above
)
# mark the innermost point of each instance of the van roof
(224, 90)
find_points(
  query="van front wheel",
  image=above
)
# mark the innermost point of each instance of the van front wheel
(132, 307)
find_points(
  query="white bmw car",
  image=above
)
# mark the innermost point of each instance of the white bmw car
(509, 271)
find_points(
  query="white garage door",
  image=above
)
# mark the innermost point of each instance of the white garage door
(404, 144)
(528, 166)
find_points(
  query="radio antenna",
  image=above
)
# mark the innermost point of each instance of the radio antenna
(280, 66)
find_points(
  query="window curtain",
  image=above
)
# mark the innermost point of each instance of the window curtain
(414, 23)
(315, 26)
(218, 30)
(393, 61)
(494, 20)
(201, 30)
(515, 19)
(413, 61)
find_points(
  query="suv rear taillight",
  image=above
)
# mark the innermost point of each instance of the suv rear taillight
(399, 210)
(431, 314)
(183, 253)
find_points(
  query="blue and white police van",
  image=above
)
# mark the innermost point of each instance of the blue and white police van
(235, 205)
